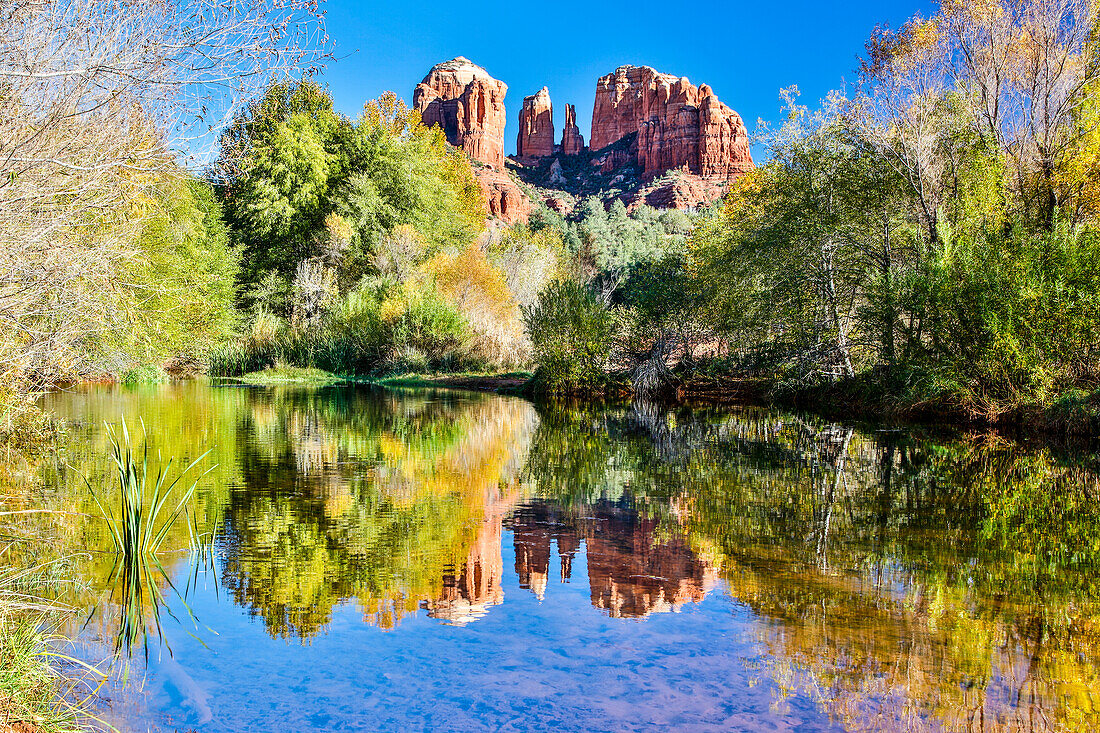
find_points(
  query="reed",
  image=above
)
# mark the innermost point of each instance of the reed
(149, 506)
(145, 516)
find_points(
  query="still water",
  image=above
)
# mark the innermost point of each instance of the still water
(424, 560)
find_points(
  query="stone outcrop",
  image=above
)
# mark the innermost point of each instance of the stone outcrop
(558, 204)
(572, 142)
(504, 199)
(680, 191)
(468, 104)
(678, 125)
(557, 175)
(536, 126)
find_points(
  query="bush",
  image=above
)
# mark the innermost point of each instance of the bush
(378, 328)
(1016, 316)
(421, 319)
(570, 331)
(144, 375)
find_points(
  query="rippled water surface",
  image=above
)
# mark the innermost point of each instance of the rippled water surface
(418, 560)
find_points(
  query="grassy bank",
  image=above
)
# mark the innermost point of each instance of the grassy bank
(41, 691)
(289, 375)
(506, 382)
(865, 397)
(1071, 412)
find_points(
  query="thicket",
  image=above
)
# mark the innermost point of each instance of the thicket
(115, 257)
(623, 302)
(363, 244)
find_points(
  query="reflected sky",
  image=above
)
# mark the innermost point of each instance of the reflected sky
(410, 559)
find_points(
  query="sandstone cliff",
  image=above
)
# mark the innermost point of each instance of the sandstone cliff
(678, 125)
(468, 104)
(463, 99)
(536, 126)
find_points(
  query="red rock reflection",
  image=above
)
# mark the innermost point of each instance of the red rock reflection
(633, 570)
(477, 585)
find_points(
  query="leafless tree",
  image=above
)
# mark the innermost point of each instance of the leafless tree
(1020, 68)
(101, 102)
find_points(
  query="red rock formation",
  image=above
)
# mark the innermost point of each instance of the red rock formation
(678, 125)
(683, 191)
(536, 126)
(620, 103)
(723, 139)
(504, 199)
(558, 204)
(460, 97)
(572, 142)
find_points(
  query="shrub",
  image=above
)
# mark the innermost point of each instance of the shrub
(1016, 316)
(428, 323)
(144, 375)
(571, 332)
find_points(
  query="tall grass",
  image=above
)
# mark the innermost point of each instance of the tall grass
(144, 517)
(41, 689)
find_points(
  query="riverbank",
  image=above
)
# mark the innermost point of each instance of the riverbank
(500, 382)
(1075, 413)
(503, 383)
(40, 691)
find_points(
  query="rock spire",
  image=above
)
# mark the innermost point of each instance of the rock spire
(536, 126)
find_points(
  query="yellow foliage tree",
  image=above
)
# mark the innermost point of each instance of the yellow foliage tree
(480, 291)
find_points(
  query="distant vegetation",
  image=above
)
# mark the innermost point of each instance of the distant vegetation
(365, 250)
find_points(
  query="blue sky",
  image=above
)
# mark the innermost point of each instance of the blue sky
(745, 51)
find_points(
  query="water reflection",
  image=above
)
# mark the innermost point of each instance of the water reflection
(891, 580)
(633, 568)
(394, 501)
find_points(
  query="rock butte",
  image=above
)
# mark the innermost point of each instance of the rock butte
(679, 125)
(460, 97)
(468, 104)
(536, 126)
(668, 124)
